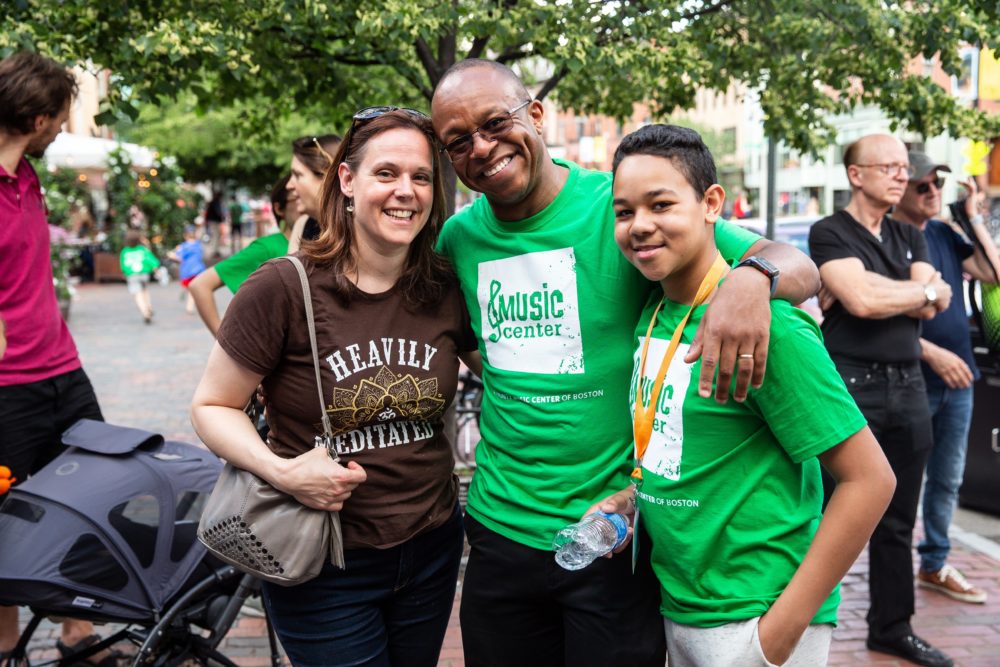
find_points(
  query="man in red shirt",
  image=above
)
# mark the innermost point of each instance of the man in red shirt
(43, 388)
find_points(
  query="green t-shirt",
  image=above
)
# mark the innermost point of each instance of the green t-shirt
(237, 268)
(138, 259)
(731, 494)
(553, 304)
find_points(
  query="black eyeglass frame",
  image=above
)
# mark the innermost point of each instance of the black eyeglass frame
(489, 135)
(924, 188)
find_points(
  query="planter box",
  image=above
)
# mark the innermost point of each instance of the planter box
(107, 267)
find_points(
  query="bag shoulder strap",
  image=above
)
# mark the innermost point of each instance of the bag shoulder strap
(311, 323)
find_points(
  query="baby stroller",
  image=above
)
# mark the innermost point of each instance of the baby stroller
(107, 532)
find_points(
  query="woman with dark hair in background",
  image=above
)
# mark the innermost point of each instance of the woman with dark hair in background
(296, 217)
(390, 324)
(312, 158)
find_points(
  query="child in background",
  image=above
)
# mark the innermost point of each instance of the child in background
(191, 257)
(730, 494)
(138, 263)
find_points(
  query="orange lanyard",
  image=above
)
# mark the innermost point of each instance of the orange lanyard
(642, 420)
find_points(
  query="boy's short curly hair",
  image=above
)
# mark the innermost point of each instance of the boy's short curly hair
(681, 145)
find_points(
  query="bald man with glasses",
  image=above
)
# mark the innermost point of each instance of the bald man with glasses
(878, 285)
(949, 367)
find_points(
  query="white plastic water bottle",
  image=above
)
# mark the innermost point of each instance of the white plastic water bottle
(579, 544)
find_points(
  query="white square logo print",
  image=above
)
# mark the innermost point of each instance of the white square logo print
(666, 442)
(531, 315)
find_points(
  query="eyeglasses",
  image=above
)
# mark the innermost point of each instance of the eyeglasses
(924, 188)
(491, 130)
(891, 168)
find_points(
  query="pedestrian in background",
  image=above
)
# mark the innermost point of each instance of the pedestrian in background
(215, 216)
(377, 286)
(138, 264)
(191, 256)
(43, 387)
(948, 365)
(878, 284)
(235, 226)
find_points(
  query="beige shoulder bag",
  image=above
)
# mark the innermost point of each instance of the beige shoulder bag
(262, 531)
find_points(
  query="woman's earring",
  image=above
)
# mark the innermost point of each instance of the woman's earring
(350, 206)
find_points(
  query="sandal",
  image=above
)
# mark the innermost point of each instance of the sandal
(110, 660)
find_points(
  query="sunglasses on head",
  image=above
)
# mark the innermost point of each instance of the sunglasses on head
(924, 188)
(369, 113)
(374, 112)
(323, 151)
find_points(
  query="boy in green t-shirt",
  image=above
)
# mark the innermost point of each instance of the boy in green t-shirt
(730, 494)
(138, 264)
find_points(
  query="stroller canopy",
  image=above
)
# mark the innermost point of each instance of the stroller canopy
(107, 529)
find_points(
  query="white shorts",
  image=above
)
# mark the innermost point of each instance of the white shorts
(137, 282)
(737, 644)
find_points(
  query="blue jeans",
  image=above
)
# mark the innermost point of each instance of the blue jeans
(388, 607)
(951, 412)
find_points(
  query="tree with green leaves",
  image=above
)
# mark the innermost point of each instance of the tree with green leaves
(217, 145)
(806, 59)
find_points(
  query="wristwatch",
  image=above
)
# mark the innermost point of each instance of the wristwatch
(930, 294)
(765, 267)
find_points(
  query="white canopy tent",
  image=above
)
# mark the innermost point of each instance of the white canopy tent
(77, 151)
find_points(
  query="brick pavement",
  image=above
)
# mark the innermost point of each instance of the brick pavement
(145, 375)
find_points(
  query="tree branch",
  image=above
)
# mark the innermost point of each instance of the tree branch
(478, 46)
(512, 53)
(446, 52)
(427, 60)
(552, 83)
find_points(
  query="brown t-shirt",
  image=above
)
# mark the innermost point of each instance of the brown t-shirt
(388, 374)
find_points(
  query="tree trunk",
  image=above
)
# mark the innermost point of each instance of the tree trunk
(450, 185)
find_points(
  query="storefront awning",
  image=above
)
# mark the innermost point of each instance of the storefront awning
(76, 151)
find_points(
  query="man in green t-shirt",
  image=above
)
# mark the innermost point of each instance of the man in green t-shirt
(553, 304)
(730, 495)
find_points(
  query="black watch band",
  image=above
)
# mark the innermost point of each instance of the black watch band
(765, 267)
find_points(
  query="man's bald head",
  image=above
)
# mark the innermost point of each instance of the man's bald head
(472, 67)
(869, 148)
(877, 168)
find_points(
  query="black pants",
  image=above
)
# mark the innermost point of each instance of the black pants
(521, 609)
(34, 415)
(893, 399)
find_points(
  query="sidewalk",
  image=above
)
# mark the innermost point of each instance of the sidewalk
(145, 375)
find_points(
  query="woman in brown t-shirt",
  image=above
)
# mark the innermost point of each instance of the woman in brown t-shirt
(390, 326)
